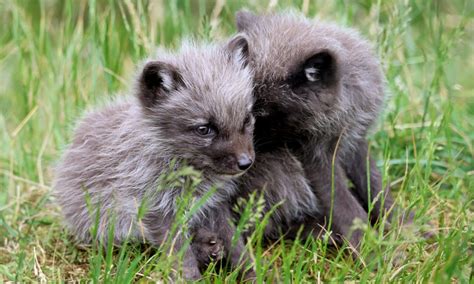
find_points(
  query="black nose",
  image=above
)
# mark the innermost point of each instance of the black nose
(244, 162)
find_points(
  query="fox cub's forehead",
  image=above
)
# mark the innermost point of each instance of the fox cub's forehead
(219, 79)
(280, 43)
(214, 78)
(216, 67)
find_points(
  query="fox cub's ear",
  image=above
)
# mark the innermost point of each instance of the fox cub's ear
(244, 20)
(319, 71)
(238, 47)
(156, 81)
(322, 68)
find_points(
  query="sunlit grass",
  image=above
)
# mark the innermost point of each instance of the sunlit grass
(57, 58)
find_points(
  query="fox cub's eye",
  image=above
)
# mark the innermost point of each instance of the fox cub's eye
(205, 130)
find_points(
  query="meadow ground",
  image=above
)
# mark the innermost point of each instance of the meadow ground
(59, 57)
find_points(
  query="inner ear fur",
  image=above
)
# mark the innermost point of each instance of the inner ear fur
(156, 81)
(238, 47)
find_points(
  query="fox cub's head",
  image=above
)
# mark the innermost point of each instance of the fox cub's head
(315, 75)
(200, 103)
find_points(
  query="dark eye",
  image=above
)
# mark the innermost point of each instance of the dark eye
(205, 130)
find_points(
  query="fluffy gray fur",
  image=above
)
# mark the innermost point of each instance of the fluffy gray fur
(280, 176)
(319, 88)
(119, 151)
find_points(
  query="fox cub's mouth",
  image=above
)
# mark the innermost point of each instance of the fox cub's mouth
(233, 175)
(234, 166)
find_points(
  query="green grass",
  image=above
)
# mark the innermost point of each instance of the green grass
(59, 57)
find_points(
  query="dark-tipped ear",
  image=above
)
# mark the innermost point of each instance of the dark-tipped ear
(321, 68)
(156, 80)
(244, 20)
(238, 47)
